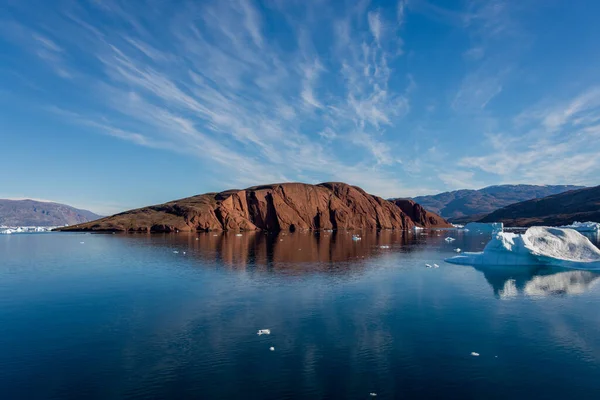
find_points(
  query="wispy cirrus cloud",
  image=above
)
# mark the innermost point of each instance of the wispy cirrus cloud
(260, 91)
(209, 83)
(555, 143)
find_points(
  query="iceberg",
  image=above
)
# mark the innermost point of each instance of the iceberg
(584, 226)
(493, 227)
(558, 247)
(7, 230)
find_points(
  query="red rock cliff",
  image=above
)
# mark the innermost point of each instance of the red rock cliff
(286, 206)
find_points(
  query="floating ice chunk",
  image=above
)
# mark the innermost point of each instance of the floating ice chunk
(449, 239)
(239, 234)
(457, 250)
(384, 247)
(474, 354)
(537, 246)
(584, 226)
(272, 348)
(81, 242)
(428, 265)
(355, 237)
(373, 394)
(184, 252)
(493, 227)
(435, 266)
(264, 332)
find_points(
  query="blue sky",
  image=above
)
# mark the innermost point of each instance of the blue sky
(110, 105)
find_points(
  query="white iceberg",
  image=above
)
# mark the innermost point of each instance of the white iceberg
(493, 227)
(264, 332)
(584, 226)
(537, 246)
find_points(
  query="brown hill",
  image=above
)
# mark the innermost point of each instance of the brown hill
(559, 209)
(286, 206)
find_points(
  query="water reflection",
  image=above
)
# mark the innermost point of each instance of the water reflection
(298, 252)
(510, 282)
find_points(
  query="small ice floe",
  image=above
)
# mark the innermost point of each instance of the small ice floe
(474, 354)
(184, 253)
(435, 266)
(239, 234)
(449, 239)
(428, 265)
(81, 242)
(373, 394)
(355, 237)
(264, 332)
(272, 348)
(457, 250)
(384, 247)
(175, 252)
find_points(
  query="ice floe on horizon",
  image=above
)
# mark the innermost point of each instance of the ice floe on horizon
(557, 247)
(8, 230)
(493, 227)
(584, 226)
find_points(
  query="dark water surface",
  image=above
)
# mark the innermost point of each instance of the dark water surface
(124, 316)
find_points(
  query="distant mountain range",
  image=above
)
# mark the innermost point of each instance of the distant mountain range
(41, 213)
(560, 209)
(471, 205)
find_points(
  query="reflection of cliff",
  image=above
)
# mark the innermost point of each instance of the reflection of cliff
(510, 282)
(295, 252)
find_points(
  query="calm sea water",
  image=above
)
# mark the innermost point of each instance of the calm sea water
(124, 316)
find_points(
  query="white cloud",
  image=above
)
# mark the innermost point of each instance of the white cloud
(552, 145)
(375, 25)
(210, 84)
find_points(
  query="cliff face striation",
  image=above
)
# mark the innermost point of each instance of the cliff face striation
(286, 206)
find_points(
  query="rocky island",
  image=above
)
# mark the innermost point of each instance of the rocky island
(275, 207)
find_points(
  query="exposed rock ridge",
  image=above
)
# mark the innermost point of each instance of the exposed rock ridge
(286, 206)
